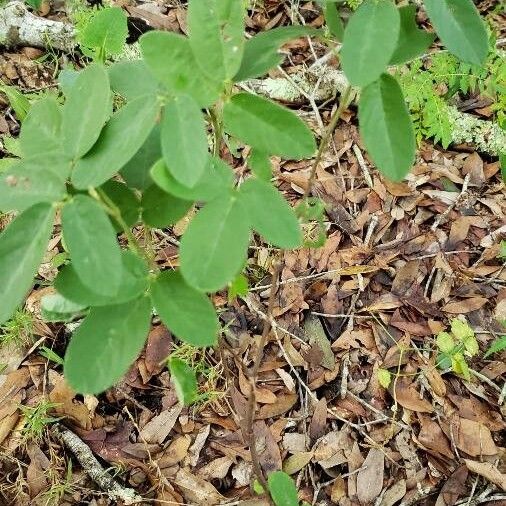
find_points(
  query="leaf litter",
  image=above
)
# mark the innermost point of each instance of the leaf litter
(374, 296)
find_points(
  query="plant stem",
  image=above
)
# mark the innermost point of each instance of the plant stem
(343, 103)
(217, 121)
(253, 377)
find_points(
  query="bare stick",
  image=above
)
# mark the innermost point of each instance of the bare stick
(253, 377)
(93, 468)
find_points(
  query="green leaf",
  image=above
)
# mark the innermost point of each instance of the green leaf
(217, 178)
(56, 308)
(184, 140)
(132, 79)
(260, 165)
(239, 286)
(384, 377)
(270, 214)
(282, 489)
(459, 365)
(120, 140)
(261, 51)
(412, 41)
(188, 313)
(498, 345)
(216, 30)
(136, 171)
(214, 246)
(445, 342)
(502, 252)
(170, 59)
(86, 109)
(28, 182)
(22, 247)
(460, 27)
(41, 130)
(106, 343)
(91, 241)
(268, 127)
(369, 41)
(461, 329)
(184, 379)
(333, 20)
(125, 200)
(105, 33)
(134, 282)
(19, 103)
(159, 209)
(386, 128)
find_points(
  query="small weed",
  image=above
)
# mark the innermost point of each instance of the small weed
(59, 488)
(208, 374)
(36, 420)
(18, 330)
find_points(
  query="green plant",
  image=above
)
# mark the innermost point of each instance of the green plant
(107, 166)
(455, 346)
(18, 330)
(36, 419)
(282, 489)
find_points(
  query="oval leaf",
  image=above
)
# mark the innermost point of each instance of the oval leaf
(269, 214)
(282, 489)
(460, 27)
(86, 109)
(134, 282)
(132, 79)
(216, 30)
(22, 247)
(171, 60)
(56, 308)
(385, 126)
(214, 246)
(184, 379)
(188, 313)
(268, 127)
(91, 241)
(106, 343)
(412, 41)
(125, 200)
(159, 209)
(122, 137)
(217, 178)
(369, 41)
(184, 140)
(41, 130)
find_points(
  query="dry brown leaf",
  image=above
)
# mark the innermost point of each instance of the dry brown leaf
(338, 491)
(296, 462)
(370, 478)
(157, 349)
(408, 397)
(157, 429)
(465, 306)
(435, 380)
(432, 437)
(216, 469)
(267, 449)
(196, 490)
(329, 450)
(294, 442)
(175, 452)
(283, 403)
(36, 477)
(318, 420)
(195, 449)
(453, 488)
(66, 405)
(394, 494)
(488, 471)
(474, 438)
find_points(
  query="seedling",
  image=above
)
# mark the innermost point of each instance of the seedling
(37, 419)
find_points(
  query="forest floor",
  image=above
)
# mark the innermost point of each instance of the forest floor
(355, 400)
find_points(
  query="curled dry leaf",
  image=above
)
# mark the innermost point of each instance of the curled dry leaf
(157, 429)
(432, 437)
(267, 449)
(488, 471)
(216, 469)
(175, 452)
(318, 420)
(453, 488)
(329, 450)
(195, 449)
(296, 462)
(196, 490)
(465, 306)
(394, 494)
(370, 478)
(473, 438)
(282, 405)
(408, 397)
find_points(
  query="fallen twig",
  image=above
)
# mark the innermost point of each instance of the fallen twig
(93, 468)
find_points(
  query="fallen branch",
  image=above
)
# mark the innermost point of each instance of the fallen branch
(19, 27)
(93, 468)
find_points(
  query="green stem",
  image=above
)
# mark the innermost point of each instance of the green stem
(343, 104)
(216, 114)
